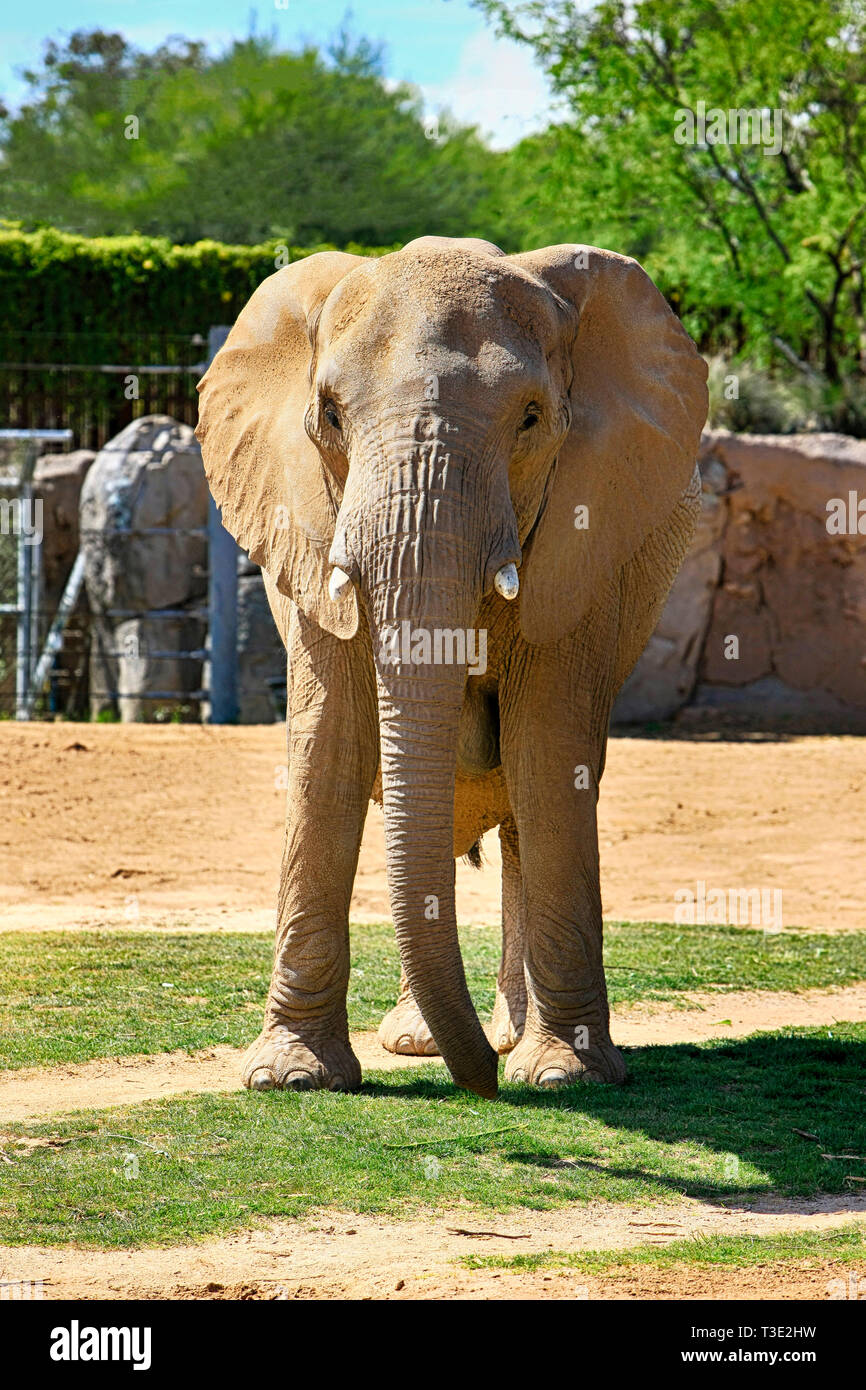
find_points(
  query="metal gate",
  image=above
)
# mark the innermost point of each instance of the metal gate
(21, 555)
(21, 583)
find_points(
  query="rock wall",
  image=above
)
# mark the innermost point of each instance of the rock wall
(767, 618)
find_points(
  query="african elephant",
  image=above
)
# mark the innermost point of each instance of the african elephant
(402, 444)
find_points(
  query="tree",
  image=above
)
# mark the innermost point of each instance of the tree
(252, 144)
(764, 245)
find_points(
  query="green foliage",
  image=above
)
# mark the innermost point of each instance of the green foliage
(90, 285)
(782, 401)
(252, 145)
(762, 254)
(751, 247)
(125, 300)
(764, 404)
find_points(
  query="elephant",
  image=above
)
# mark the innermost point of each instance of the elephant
(440, 455)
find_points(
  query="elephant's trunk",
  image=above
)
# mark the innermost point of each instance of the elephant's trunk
(419, 718)
(421, 550)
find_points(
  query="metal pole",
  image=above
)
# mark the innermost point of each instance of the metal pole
(223, 615)
(222, 598)
(25, 575)
(35, 548)
(23, 659)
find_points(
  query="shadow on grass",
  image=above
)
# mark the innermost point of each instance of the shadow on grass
(778, 1103)
(738, 1123)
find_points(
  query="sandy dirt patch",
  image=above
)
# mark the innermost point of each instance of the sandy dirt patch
(343, 1255)
(701, 1015)
(811, 1280)
(38, 1092)
(127, 825)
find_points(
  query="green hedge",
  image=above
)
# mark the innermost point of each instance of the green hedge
(54, 282)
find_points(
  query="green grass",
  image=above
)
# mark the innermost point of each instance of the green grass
(715, 1121)
(846, 1245)
(72, 996)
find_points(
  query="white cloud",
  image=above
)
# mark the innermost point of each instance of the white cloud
(497, 87)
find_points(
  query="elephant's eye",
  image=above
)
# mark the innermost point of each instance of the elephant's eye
(330, 414)
(531, 417)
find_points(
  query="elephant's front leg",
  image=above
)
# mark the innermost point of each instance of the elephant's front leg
(333, 753)
(552, 756)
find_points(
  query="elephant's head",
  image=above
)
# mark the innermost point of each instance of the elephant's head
(406, 435)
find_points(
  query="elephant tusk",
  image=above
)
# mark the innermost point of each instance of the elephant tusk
(338, 583)
(506, 582)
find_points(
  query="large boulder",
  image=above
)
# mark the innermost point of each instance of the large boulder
(788, 629)
(144, 505)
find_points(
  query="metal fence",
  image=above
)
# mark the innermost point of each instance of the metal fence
(21, 560)
(95, 383)
(32, 637)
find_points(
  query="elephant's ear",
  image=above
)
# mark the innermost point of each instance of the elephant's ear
(263, 469)
(639, 402)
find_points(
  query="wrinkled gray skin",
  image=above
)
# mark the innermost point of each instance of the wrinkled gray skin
(420, 422)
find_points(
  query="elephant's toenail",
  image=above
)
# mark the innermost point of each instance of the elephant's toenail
(298, 1081)
(553, 1076)
(262, 1080)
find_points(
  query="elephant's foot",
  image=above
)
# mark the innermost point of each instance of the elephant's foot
(505, 1028)
(279, 1059)
(404, 1031)
(548, 1061)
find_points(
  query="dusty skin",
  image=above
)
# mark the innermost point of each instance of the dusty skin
(181, 827)
(390, 439)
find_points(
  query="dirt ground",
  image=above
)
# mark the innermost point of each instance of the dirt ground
(344, 1254)
(181, 826)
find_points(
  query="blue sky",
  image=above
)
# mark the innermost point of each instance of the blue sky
(445, 47)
